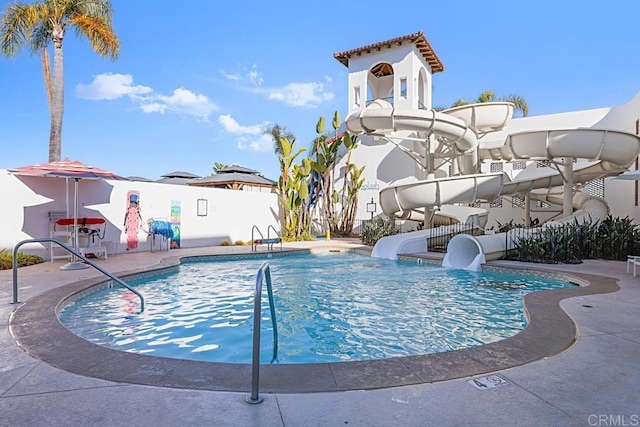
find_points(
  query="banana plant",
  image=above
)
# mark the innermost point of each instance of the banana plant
(287, 184)
(350, 208)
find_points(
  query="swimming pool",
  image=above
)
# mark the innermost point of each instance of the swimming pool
(330, 307)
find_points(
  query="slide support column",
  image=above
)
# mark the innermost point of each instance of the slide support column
(527, 210)
(567, 202)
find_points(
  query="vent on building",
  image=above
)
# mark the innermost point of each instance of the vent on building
(595, 188)
(517, 202)
(496, 167)
(542, 205)
(519, 165)
(496, 203)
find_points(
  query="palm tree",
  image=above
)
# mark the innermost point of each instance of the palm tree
(278, 132)
(489, 96)
(43, 23)
(217, 167)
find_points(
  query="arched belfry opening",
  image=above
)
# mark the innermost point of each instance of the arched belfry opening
(380, 82)
(398, 70)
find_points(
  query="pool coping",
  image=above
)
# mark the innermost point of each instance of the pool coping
(37, 329)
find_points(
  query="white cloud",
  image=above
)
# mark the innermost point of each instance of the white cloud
(232, 126)
(184, 101)
(255, 77)
(154, 108)
(261, 143)
(234, 77)
(109, 86)
(251, 75)
(251, 137)
(307, 94)
(301, 94)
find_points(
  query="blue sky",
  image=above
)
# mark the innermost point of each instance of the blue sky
(196, 83)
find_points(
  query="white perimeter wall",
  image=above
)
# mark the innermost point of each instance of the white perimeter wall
(231, 214)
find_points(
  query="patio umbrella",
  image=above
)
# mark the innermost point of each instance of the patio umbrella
(75, 170)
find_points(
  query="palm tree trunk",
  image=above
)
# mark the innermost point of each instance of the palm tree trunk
(57, 103)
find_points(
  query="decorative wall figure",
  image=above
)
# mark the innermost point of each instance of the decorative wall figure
(132, 219)
(175, 223)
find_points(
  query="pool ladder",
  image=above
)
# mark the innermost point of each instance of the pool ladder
(269, 241)
(263, 272)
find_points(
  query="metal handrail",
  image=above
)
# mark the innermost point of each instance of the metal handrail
(263, 271)
(74, 252)
(254, 245)
(272, 241)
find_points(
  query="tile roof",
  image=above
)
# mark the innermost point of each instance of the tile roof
(417, 39)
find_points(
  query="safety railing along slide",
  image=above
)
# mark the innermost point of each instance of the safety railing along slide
(74, 252)
(264, 273)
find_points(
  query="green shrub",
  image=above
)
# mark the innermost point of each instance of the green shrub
(238, 243)
(304, 237)
(6, 260)
(225, 243)
(610, 238)
(376, 229)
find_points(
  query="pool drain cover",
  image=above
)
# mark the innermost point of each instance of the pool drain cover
(490, 381)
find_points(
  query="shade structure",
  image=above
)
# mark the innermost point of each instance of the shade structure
(72, 169)
(630, 175)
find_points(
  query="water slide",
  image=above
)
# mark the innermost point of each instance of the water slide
(609, 151)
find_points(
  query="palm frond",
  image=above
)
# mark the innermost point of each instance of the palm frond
(459, 103)
(519, 102)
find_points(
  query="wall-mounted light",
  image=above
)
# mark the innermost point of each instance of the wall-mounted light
(372, 207)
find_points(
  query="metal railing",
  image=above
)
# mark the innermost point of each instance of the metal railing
(74, 252)
(441, 234)
(269, 241)
(263, 272)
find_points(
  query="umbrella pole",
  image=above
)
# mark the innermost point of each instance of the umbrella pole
(66, 183)
(75, 264)
(75, 216)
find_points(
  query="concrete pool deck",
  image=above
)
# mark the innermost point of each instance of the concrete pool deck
(595, 379)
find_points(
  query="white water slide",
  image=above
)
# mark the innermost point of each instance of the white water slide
(609, 151)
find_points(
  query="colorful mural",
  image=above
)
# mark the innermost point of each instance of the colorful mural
(175, 223)
(132, 219)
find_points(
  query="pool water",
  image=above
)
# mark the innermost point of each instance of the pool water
(329, 307)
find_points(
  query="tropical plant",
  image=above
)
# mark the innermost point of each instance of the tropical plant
(374, 230)
(217, 167)
(610, 238)
(519, 102)
(277, 132)
(338, 207)
(292, 188)
(353, 181)
(44, 23)
(6, 259)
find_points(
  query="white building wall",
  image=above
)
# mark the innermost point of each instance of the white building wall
(230, 214)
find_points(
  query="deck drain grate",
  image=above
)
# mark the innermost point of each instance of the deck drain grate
(490, 381)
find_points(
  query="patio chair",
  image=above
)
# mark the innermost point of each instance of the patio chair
(633, 260)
